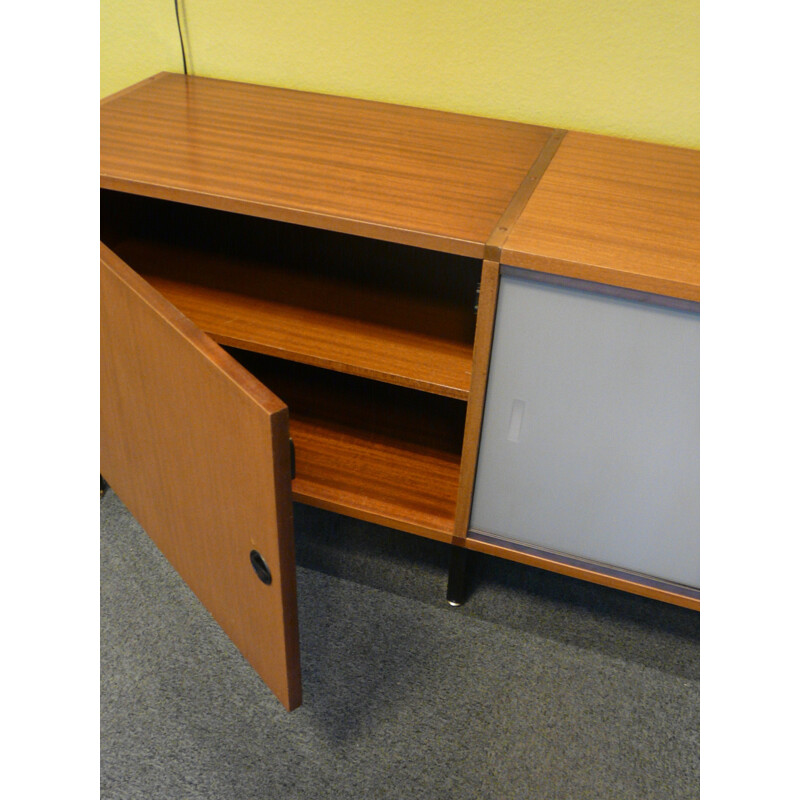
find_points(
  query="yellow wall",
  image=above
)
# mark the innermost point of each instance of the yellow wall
(623, 67)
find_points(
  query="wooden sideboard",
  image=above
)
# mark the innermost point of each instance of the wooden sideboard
(299, 294)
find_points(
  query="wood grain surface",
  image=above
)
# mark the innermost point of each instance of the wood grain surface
(198, 450)
(375, 478)
(370, 450)
(617, 212)
(375, 332)
(504, 226)
(425, 178)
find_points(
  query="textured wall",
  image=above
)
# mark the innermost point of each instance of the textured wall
(622, 67)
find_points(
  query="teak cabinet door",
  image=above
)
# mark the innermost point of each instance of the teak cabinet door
(198, 450)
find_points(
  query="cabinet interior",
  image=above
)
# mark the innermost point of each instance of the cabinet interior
(380, 310)
(366, 449)
(369, 344)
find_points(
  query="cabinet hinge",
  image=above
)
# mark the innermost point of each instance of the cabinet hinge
(477, 298)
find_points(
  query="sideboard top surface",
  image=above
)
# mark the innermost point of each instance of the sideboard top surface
(616, 212)
(420, 177)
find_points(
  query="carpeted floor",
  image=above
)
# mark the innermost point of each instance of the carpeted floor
(539, 687)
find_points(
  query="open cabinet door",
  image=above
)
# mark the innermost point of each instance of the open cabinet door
(198, 450)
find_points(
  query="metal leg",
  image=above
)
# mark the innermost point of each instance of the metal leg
(457, 579)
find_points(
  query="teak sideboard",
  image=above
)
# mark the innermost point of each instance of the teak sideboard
(479, 331)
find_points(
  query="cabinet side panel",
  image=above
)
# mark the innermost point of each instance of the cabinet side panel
(198, 452)
(590, 442)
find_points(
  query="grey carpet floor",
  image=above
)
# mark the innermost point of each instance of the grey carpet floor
(538, 687)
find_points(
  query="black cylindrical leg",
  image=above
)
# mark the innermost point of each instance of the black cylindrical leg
(457, 579)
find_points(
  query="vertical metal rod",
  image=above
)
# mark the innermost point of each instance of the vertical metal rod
(457, 578)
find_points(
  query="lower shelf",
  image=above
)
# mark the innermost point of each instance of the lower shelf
(369, 450)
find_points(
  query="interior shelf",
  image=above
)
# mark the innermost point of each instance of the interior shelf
(371, 450)
(372, 309)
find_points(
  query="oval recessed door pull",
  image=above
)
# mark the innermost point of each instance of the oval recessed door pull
(260, 566)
